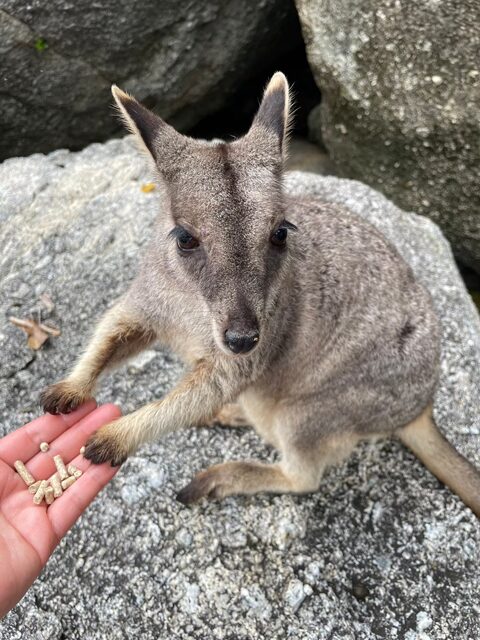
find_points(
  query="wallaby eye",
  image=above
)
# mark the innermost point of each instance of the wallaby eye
(186, 242)
(279, 237)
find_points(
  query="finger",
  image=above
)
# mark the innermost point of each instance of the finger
(64, 512)
(24, 443)
(68, 443)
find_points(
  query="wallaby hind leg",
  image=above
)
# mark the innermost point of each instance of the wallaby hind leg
(119, 334)
(298, 472)
(442, 459)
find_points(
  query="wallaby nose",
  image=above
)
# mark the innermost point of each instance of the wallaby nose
(241, 342)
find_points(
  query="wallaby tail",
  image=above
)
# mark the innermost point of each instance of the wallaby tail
(442, 459)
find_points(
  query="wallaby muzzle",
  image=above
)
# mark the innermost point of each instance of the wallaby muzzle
(241, 342)
(241, 332)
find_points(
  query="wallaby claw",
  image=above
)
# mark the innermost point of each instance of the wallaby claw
(61, 397)
(104, 447)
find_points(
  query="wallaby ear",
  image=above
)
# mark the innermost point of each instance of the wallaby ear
(162, 142)
(138, 119)
(272, 118)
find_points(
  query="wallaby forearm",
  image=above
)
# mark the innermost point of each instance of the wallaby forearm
(121, 333)
(196, 399)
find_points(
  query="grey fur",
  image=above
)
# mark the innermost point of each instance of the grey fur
(349, 341)
(332, 314)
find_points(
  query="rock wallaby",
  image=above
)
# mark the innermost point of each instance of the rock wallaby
(292, 315)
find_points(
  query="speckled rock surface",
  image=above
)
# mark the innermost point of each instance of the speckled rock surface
(400, 86)
(185, 59)
(382, 551)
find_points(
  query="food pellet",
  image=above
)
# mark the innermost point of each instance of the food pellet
(23, 472)
(33, 487)
(82, 450)
(68, 482)
(38, 497)
(56, 485)
(52, 488)
(73, 471)
(44, 446)
(61, 468)
(49, 495)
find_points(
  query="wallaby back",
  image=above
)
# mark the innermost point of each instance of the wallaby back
(423, 437)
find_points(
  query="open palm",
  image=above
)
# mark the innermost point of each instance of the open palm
(28, 532)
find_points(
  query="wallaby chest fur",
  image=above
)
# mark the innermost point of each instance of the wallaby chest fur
(292, 315)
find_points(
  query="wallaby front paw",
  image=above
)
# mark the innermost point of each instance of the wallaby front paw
(106, 445)
(212, 483)
(62, 397)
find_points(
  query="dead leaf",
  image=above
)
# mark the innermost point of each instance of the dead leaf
(52, 331)
(37, 333)
(148, 186)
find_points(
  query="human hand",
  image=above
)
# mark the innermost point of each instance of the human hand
(28, 532)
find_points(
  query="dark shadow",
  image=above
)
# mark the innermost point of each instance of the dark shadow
(236, 115)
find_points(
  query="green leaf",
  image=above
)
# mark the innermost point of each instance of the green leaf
(40, 44)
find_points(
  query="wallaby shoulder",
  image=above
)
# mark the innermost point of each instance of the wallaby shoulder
(345, 256)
